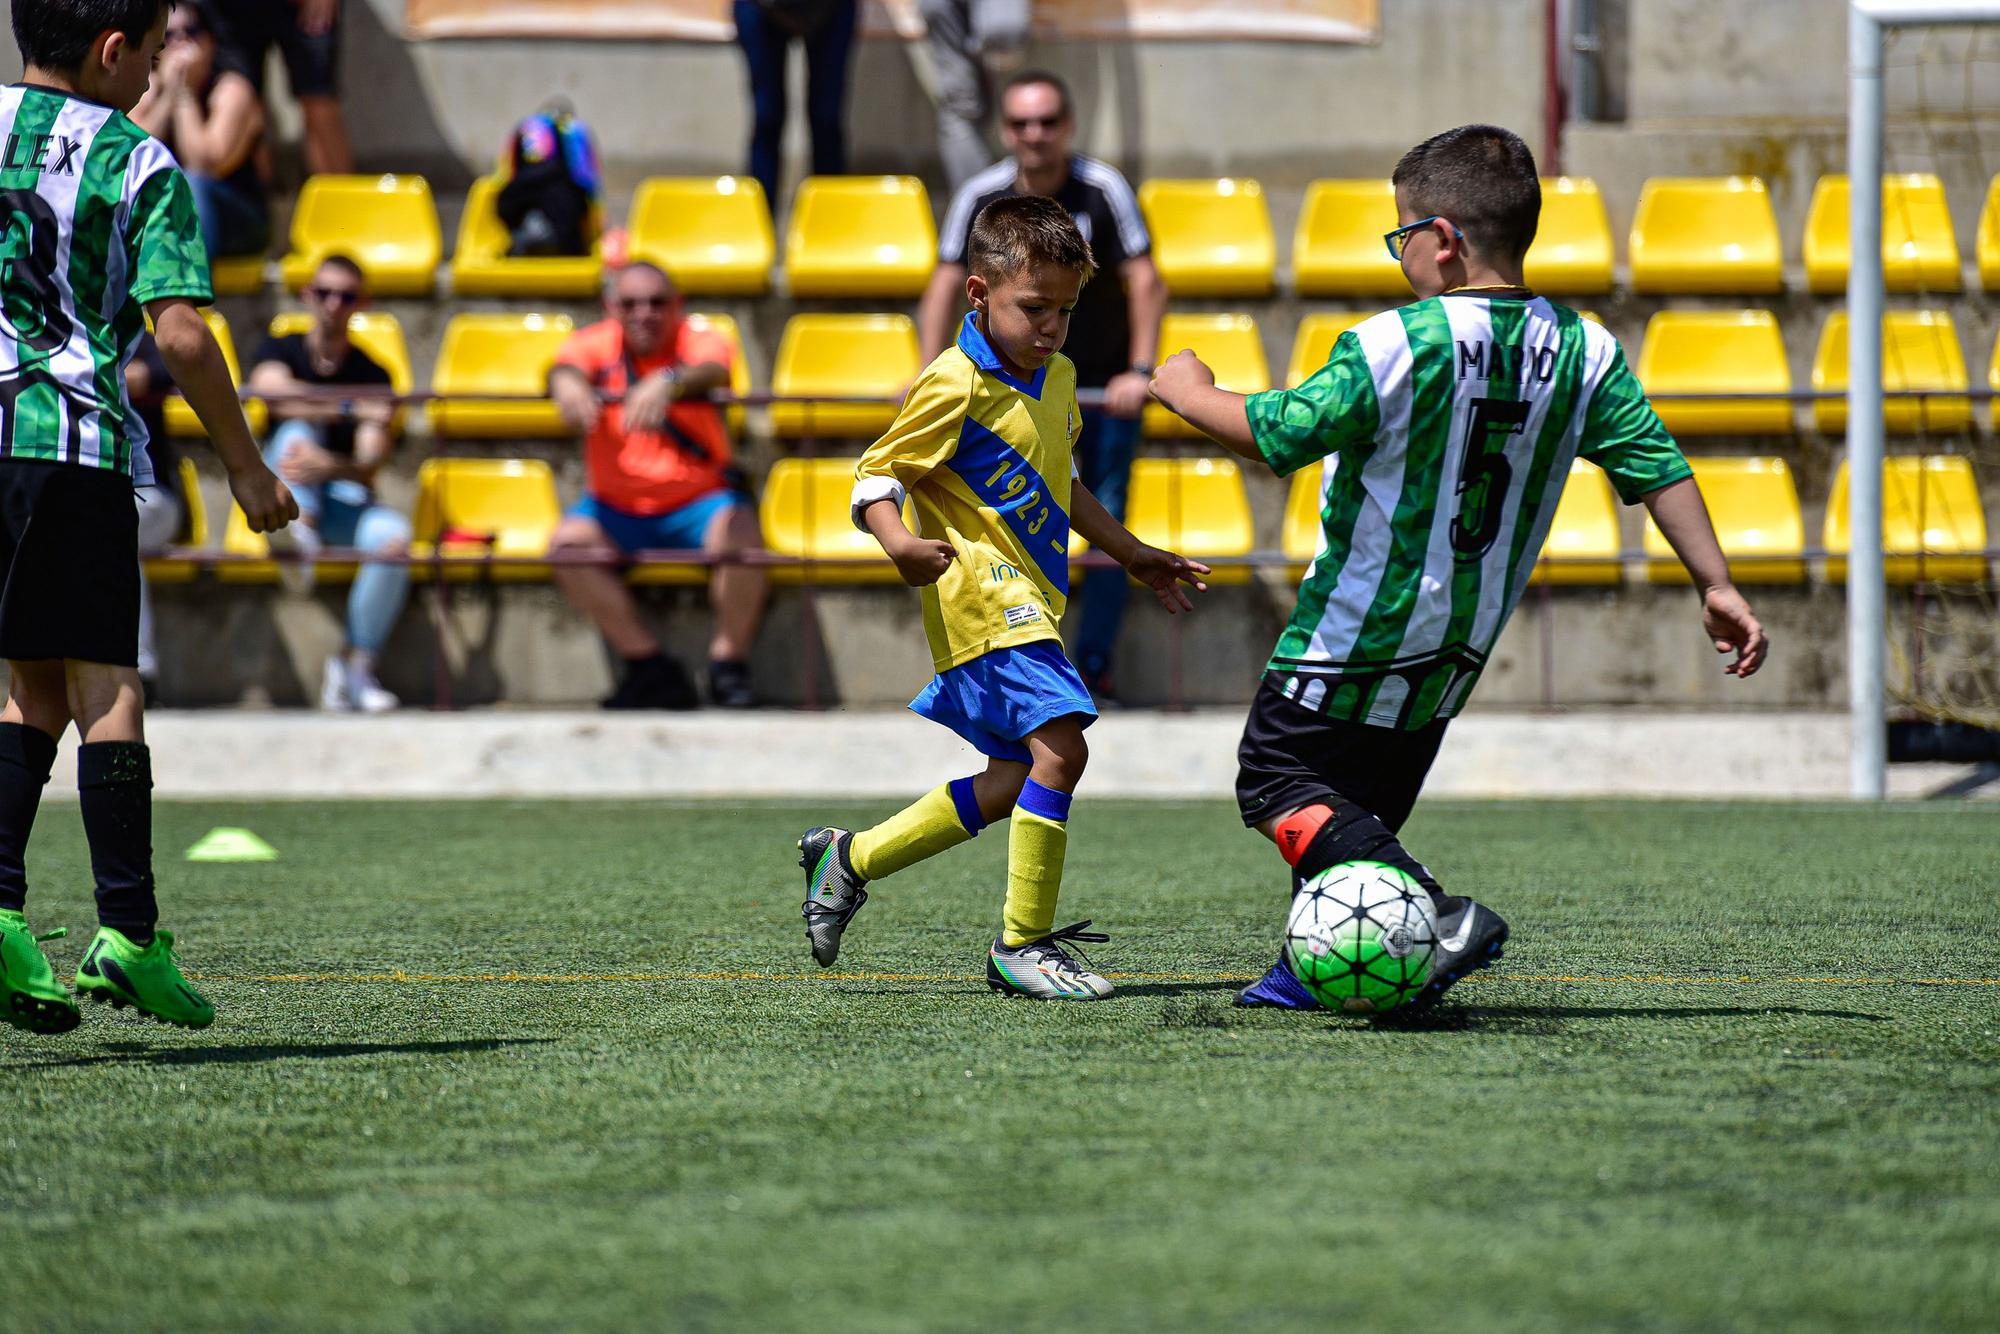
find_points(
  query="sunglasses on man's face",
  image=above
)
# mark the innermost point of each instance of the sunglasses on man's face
(631, 303)
(334, 296)
(1399, 240)
(1020, 123)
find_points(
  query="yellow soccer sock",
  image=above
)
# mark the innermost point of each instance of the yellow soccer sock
(1036, 843)
(942, 818)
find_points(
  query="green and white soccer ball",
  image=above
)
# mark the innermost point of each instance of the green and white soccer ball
(1362, 937)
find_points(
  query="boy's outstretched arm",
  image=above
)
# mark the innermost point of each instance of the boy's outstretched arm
(1162, 571)
(1725, 613)
(1186, 388)
(921, 561)
(190, 352)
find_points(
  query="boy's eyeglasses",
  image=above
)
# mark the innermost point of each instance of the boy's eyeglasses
(1399, 240)
(334, 296)
(1020, 123)
(189, 32)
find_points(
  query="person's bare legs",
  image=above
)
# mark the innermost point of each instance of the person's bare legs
(597, 590)
(737, 592)
(327, 149)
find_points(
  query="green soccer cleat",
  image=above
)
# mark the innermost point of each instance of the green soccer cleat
(148, 979)
(30, 997)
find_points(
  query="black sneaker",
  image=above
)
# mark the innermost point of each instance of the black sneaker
(1471, 936)
(658, 682)
(729, 685)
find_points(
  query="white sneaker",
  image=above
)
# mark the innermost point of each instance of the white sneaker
(365, 693)
(299, 540)
(335, 693)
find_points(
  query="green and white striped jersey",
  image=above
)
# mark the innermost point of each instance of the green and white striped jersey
(1447, 428)
(95, 221)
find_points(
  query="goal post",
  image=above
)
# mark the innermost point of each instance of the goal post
(1867, 601)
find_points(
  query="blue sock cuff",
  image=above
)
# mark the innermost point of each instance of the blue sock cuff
(967, 805)
(1044, 801)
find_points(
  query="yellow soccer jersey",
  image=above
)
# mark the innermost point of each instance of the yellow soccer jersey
(986, 462)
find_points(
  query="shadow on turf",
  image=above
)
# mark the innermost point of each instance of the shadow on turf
(1528, 1018)
(1201, 1012)
(133, 1053)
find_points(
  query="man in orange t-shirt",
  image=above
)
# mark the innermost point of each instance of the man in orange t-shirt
(657, 477)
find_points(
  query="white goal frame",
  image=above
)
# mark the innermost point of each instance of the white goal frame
(1867, 602)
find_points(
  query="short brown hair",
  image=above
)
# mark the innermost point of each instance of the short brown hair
(1482, 178)
(1017, 231)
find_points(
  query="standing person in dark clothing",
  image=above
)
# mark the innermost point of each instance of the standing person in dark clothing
(307, 34)
(1114, 333)
(765, 29)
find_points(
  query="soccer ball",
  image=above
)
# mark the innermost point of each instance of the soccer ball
(1361, 937)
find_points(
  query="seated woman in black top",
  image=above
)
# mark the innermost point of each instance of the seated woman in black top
(214, 123)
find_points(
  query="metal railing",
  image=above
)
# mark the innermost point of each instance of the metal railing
(447, 569)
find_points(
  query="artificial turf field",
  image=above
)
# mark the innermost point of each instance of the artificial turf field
(564, 1066)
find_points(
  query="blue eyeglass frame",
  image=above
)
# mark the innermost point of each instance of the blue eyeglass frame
(1395, 240)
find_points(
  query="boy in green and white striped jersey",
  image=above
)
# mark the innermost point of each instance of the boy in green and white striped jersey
(1447, 428)
(97, 234)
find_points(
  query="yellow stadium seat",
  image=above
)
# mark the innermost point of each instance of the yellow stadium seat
(1338, 250)
(1313, 344)
(860, 236)
(804, 511)
(1211, 237)
(712, 233)
(1705, 234)
(469, 509)
(1919, 247)
(1572, 249)
(1755, 506)
(176, 570)
(859, 356)
(1584, 534)
(180, 418)
(1230, 344)
(237, 275)
(386, 224)
(498, 354)
(480, 265)
(1987, 244)
(1920, 351)
(375, 332)
(1717, 352)
(1933, 528)
(739, 364)
(1196, 507)
(1302, 529)
(1993, 382)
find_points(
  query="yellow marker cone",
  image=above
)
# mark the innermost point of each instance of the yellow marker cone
(231, 845)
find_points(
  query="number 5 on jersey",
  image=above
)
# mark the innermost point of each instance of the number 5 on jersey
(1484, 475)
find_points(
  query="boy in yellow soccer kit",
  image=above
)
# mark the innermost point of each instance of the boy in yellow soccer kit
(981, 449)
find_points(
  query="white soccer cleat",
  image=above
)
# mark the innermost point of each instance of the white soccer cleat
(1044, 970)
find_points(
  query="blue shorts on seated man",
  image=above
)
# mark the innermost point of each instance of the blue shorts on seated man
(998, 698)
(682, 529)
